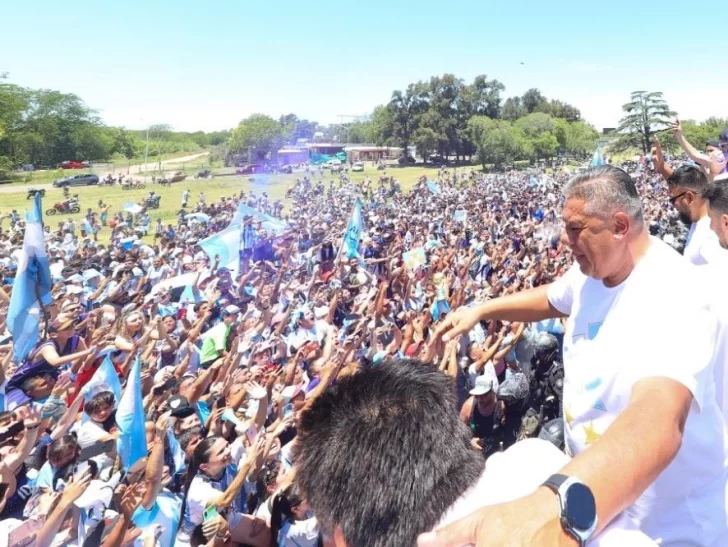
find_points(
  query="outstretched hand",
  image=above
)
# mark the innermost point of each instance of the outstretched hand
(459, 322)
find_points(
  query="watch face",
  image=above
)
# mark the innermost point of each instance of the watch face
(581, 509)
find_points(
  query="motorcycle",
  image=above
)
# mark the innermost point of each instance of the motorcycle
(65, 207)
(151, 203)
(546, 379)
(133, 186)
(32, 192)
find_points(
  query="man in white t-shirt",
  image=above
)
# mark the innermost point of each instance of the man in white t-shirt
(383, 459)
(640, 411)
(715, 276)
(686, 185)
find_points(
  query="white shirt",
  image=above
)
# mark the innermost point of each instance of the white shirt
(644, 327)
(702, 244)
(518, 472)
(713, 282)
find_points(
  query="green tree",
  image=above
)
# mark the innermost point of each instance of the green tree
(645, 114)
(426, 141)
(499, 142)
(259, 132)
(513, 109)
(405, 109)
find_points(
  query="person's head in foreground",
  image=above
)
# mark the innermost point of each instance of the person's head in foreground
(383, 455)
(602, 220)
(686, 186)
(717, 197)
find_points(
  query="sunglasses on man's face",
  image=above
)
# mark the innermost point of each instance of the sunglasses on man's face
(674, 199)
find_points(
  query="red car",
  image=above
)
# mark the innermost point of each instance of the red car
(74, 165)
(250, 168)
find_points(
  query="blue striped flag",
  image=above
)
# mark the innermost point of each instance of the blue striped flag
(104, 379)
(226, 244)
(433, 187)
(597, 158)
(269, 223)
(32, 286)
(132, 442)
(350, 245)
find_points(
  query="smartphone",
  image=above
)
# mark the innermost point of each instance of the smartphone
(96, 449)
(166, 386)
(287, 410)
(210, 513)
(251, 433)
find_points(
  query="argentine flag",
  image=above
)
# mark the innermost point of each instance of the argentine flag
(269, 223)
(227, 245)
(32, 286)
(132, 442)
(104, 379)
(350, 245)
(433, 187)
(597, 158)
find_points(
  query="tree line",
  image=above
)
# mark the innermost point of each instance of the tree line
(43, 128)
(444, 116)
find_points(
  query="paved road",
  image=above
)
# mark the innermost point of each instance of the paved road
(134, 172)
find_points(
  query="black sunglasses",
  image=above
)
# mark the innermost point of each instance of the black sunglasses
(677, 197)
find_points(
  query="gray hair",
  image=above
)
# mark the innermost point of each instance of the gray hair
(605, 190)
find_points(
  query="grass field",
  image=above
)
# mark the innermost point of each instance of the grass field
(215, 188)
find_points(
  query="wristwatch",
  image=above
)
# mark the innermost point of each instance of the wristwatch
(578, 508)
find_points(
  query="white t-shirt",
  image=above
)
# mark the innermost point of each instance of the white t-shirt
(702, 244)
(713, 282)
(518, 472)
(645, 327)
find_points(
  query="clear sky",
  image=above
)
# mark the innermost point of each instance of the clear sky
(207, 65)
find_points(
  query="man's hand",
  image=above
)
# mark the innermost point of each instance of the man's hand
(256, 391)
(461, 321)
(75, 488)
(506, 525)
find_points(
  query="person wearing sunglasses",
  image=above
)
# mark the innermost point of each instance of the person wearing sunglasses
(686, 186)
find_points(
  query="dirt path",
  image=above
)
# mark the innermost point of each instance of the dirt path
(136, 171)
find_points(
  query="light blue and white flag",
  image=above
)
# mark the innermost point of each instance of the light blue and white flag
(597, 158)
(104, 379)
(350, 245)
(460, 216)
(269, 223)
(433, 187)
(32, 286)
(132, 442)
(226, 244)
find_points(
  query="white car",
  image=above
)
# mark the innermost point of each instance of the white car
(358, 167)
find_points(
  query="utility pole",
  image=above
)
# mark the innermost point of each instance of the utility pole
(146, 153)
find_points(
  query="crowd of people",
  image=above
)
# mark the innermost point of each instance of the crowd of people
(345, 380)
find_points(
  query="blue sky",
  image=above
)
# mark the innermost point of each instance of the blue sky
(207, 65)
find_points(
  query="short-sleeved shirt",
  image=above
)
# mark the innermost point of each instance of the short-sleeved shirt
(215, 341)
(618, 336)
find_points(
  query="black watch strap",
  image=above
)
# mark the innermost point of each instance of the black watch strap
(554, 482)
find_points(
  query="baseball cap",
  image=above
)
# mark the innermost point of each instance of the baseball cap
(483, 385)
(289, 392)
(231, 310)
(180, 406)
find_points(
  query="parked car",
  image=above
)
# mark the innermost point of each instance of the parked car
(358, 166)
(287, 169)
(74, 165)
(250, 168)
(332, 164)
(437, 160)
(87, 179)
